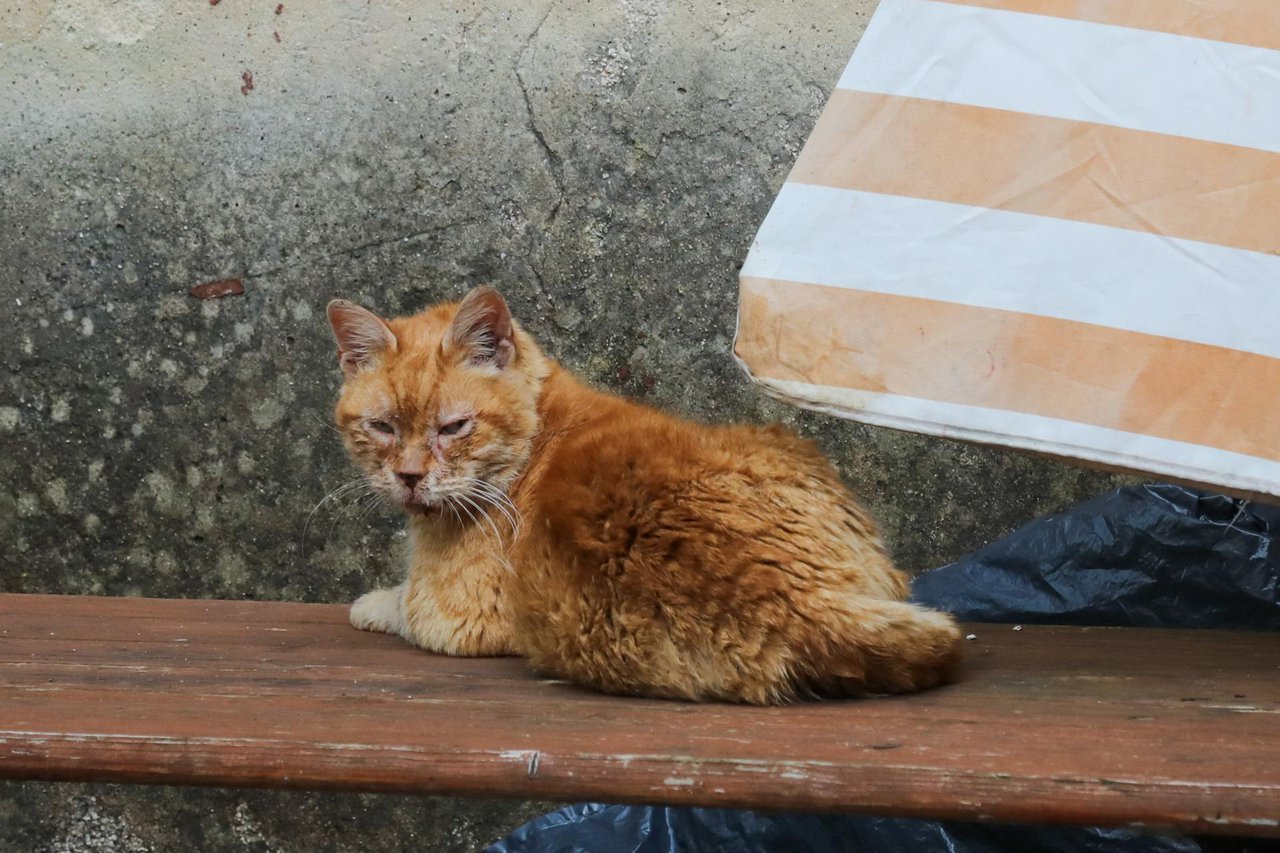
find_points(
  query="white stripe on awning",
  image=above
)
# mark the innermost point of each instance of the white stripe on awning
(1019, 262)
(1071, 69)
(1190, 462)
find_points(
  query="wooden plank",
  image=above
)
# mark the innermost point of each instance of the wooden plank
(1160, 729)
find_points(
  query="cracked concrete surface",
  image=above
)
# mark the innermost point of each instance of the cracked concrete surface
(605, 163)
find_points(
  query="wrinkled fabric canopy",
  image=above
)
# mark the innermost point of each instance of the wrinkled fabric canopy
(1045, 224)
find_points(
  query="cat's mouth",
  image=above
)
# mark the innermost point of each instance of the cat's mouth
(419, 507)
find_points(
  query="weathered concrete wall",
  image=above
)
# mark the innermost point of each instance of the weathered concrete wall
(606, 163)
(119, 819)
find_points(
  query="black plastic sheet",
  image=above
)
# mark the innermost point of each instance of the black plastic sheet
(1146, 556)
(1149, 556)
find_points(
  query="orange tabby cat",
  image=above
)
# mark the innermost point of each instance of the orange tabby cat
(609, 543)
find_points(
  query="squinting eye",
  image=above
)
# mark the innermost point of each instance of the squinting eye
(382, 427)
(454, 427)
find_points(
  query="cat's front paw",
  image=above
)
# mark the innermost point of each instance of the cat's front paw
(378, 611)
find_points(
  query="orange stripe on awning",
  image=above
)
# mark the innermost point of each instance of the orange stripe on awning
(1094, 173)
(1252, 22)
(1008, 361)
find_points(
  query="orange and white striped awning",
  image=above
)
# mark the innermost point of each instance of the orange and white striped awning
(1049, 224)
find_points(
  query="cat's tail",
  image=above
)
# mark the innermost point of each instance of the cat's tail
(882, 646)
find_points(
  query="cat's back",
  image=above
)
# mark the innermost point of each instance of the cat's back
(601, 441)
(615, 475)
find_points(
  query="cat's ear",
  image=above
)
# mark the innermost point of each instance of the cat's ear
(361, 335)
(483, 329)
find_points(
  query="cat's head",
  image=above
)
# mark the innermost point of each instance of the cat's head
(438, 409)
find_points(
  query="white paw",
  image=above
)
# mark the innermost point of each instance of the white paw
(377, 611)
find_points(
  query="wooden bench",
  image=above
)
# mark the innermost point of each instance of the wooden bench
(1153, 728)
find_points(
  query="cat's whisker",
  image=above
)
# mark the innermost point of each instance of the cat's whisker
(501, 506)
(513, 518)
(333, 429)
(338, 490)
(358, 507)
(447, 504)
(507, 514)
(350, 504)
(499, 499)
(463, 508)
(488, 525)
(335, 493)
(373, 504)
(496, 494)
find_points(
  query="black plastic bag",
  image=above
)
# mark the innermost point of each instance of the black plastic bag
(1143, 556)
(1149, 556)
(600, 828)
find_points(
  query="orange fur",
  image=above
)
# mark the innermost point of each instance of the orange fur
(610, 543)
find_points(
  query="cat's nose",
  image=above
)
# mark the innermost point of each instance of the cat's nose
(411, 481)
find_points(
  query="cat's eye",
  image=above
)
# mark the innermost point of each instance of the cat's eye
(382, 427)
(454, 427)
